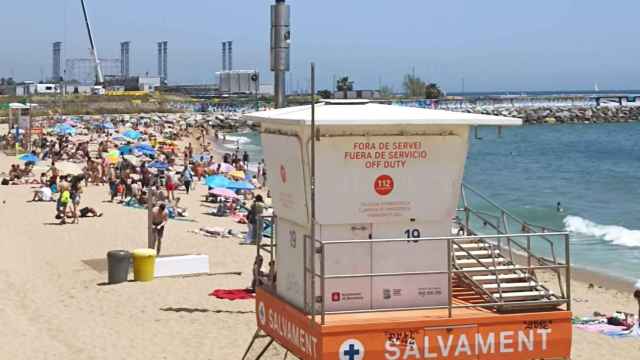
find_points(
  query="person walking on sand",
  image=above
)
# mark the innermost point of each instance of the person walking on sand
(159, 219)
(187, 179)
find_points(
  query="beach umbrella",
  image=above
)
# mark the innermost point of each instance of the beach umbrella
(125, 149)
(145, 149)
(112, 156)
(226, 193)
(217, 181)
(28, 157)
(132, 134)
(160, 165)
(240, 185)
(63, 129)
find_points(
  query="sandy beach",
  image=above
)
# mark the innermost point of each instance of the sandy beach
(56, 304)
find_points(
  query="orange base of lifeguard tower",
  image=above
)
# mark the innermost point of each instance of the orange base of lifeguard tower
(471, 333)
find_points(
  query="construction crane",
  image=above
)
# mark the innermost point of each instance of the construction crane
(98, 89)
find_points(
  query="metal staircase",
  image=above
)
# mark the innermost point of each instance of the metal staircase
(502, 270)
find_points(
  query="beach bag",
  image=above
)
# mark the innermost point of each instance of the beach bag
(5, 181)
(119, 189)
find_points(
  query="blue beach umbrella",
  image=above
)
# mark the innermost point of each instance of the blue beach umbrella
(145, 149)
(217, 181)
(125, 149)
(29, 157)
(240, 185)
(64, 129)
(132, 134)
(158, 165)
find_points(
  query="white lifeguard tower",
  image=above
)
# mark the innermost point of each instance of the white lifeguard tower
(379, 187)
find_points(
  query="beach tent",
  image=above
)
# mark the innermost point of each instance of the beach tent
(217, 181)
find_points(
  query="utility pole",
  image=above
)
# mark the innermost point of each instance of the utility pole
(280, 41)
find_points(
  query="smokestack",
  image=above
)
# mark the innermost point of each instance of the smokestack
(230, 45)
(224, 56)
(280, 39)
(165, 57)
(124, 59)
(160, 60)
(57, 59)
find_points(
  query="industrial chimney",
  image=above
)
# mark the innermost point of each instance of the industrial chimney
(124, 59)
(56, 74)
(224, 56)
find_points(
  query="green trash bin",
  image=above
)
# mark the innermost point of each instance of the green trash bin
(118, 264)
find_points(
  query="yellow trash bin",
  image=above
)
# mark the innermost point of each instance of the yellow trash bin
(144, 263)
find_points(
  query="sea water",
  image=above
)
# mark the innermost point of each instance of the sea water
(592, 170)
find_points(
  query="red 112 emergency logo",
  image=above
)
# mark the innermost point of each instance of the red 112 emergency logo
(383, 185)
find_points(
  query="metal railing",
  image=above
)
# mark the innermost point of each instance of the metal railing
(319, 249)
(499, 221)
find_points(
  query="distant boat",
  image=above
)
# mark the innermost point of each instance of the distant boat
(595, 87)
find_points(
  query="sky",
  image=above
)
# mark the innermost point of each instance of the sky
(494, 45)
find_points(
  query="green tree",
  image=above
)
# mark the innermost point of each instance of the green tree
(343, 84)
(413, 86)
(432, 91)
(325, 94)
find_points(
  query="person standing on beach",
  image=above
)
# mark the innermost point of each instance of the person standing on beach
(254, 221)
(159, 219)
(187, 179)
(245, 159)
(64, 200)
(76, 190)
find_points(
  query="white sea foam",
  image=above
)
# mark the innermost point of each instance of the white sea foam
(617, 235)
(238, 139)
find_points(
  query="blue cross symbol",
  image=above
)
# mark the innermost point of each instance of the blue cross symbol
(352, 352)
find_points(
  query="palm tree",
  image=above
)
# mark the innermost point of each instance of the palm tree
(343, 84)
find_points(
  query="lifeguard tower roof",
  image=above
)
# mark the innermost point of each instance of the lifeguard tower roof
(363, 112)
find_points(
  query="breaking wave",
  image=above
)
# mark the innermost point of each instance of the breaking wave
(616, 235)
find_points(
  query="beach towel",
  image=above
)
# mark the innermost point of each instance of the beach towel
(633, 332)
(233, 294)
(600, 328)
